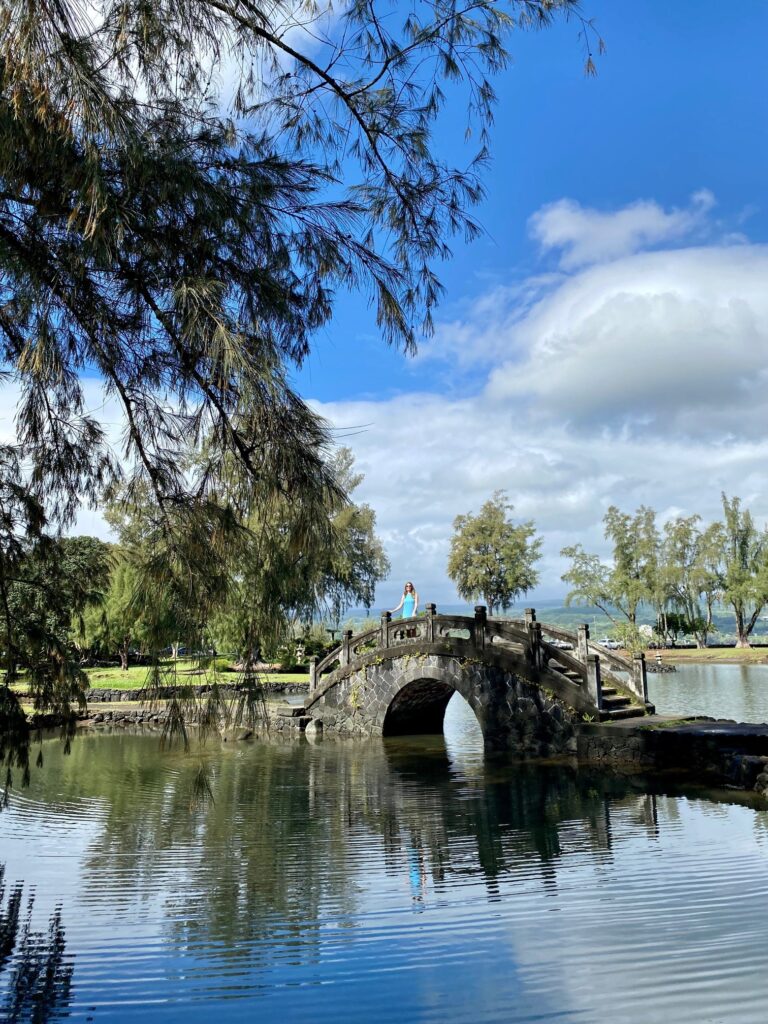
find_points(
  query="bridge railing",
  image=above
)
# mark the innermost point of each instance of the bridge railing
(618, 662)
(502, 632)
(369, 640)
(634, 669)
(391, 633)
(526, 637)
(634, 675)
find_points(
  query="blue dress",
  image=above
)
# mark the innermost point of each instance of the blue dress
(409, 606)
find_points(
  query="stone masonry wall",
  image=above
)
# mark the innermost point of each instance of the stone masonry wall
(106, 695)
(514, 714)
(726, 753)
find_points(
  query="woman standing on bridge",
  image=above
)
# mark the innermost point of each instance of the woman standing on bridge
(409, 602)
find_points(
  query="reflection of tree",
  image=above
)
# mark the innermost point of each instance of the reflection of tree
(512, 813)
(256, 857)
(278, 848)
(40, 976)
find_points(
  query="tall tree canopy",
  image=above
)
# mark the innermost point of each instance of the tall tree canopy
(288, 567)
(181, 243)
(184, 247)
(46, 586)
(725, 562)
(743, 567)
(491, 557)
(632, 578)
(283, 564)
(689, 557)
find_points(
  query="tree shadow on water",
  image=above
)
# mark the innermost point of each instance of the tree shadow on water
(35, 973)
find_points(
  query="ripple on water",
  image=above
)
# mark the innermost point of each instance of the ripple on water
(385, 882)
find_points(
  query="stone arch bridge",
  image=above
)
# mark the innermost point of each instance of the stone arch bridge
(529, 683)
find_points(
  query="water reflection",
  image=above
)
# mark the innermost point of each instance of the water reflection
(406, 879)
(280, 841)
(509, 815)
(35, 973)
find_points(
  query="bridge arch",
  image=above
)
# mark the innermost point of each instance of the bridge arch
(409, 693)
(419, 707)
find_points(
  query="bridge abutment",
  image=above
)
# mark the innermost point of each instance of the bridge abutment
(408, 694)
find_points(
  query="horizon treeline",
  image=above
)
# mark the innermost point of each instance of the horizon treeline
(683, 569)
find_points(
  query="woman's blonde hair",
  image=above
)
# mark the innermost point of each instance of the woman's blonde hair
(408, 584)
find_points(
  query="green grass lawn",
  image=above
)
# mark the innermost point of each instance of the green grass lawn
(114, 678)
(713, 654)
(135, 677)
(124, 705)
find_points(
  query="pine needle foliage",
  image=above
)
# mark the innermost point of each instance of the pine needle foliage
(183, 241)
(492, 557)
(185, 188)
(46, 585)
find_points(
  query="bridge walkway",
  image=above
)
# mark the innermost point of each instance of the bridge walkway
(602, 685)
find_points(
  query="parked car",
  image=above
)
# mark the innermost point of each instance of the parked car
(609, 644)
(562, 644)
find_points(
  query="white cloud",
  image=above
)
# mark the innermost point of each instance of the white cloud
(673, 341)
(483, 333)
(427, 458)
(638, 380)
(585, 235)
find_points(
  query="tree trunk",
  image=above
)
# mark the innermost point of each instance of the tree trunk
(742, 633)
(124, 654)
(710, 618)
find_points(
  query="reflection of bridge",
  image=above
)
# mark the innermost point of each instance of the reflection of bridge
(527, 692)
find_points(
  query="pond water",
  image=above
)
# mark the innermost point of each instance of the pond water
(721, 691)
(407, 880)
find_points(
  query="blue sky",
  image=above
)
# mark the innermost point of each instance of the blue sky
(606, 341)
(678, 105)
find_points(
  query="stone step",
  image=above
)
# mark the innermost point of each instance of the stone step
(569, 673)
(290, 710)
(615, 701)
(633, 711)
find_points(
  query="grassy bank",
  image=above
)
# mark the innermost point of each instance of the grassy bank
(714, 655)
(135, 678)
(114, 678)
